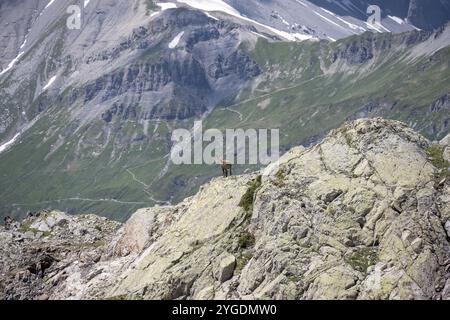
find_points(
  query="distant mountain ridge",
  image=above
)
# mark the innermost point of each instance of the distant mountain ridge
(335, 19)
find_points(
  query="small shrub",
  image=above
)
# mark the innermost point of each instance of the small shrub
(46, 234)
(294, 278)
(246, 240)
(362, 259)
(248, 198)
(436, 155)
(280, 177)
(26, 227)
(281, 174)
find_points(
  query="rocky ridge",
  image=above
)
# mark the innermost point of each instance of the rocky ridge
(365, 214)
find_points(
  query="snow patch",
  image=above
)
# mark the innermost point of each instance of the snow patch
(4, 146)
(302, 3)
(329, 20)
(328, 11)
(397, 19)
(24, 43)
(283, 20)
(164, 6)
(351, 25)
(211, 16)
(49, 83)
(46, 7)
(86, 2)
(174, 43)
(259, 35)
(378, 27)
(49, 4)
(12, 63)
(21, 52)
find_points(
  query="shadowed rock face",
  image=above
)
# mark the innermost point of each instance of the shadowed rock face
(362, 215)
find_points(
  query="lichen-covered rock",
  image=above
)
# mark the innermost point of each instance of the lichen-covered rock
(362, 215)
(138, 232)
(225, 268)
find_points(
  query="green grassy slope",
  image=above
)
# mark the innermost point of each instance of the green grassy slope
(301, 91)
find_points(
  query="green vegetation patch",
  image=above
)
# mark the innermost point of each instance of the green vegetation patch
(362, 259)
(436, 155)
(280, 178)
(246, 240)
(249, 196)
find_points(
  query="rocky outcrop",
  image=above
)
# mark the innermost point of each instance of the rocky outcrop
(363, 215)
(47, 249)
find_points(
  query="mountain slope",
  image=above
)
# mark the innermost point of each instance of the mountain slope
(86, 115)
(363, 215)
(332, 19)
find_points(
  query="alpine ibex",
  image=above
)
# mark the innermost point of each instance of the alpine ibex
(226, 166)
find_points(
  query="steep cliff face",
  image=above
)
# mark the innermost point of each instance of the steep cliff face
(363, 215)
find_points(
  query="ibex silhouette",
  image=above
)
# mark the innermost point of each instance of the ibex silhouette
(226, 166)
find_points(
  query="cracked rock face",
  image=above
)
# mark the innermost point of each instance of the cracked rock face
(363, 215)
